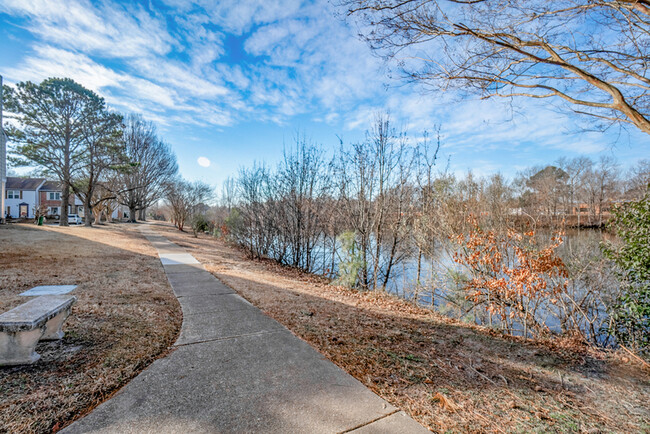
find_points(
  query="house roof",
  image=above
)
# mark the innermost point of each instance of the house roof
(51, 186)
(15, 183)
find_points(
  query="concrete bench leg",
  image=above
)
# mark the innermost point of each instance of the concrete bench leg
(19, 348)
(53, 330)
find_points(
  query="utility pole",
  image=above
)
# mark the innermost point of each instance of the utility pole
(3, 162)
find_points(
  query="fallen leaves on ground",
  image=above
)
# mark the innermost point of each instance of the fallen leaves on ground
(126, 316)
(448, 375)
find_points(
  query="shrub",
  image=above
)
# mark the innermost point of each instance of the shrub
(630, 314)
(233, 225)
(512, 277)
(200, 224)
(351, 262)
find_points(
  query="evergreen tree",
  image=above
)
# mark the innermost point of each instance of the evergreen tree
(50, 129)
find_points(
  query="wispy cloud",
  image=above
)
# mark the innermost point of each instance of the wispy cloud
(213, 63)
(173, 61)
(107, 29)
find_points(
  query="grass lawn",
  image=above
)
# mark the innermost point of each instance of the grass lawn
(449, 376)
(126, 316)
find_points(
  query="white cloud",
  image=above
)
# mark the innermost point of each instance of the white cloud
(239, 16)
(107, 29)
(299, 58)
(50, 61)
(203, 162)
(171, 66)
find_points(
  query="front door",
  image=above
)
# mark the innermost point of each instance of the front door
(23, 210)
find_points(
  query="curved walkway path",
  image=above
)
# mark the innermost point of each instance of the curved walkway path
(234, 369)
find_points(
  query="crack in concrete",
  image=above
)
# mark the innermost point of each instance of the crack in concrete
(372, 421)
(263, 332)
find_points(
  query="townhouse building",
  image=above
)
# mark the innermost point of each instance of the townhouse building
(24, 197)
(21, 197)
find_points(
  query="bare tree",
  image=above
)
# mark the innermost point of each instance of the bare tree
(424, 224)
(256, 231)
(498, 198)
(372, 187)
(606, 183)
(638, 180)
(153, 166)
(185, 199)
(574, 168)
(302, 184)
(229, 193)
(593, 55)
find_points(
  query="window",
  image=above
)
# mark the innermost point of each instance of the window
(13, 194)
(54, 195)
(53, 210)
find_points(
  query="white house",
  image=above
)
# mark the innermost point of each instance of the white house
(21, 197)
(24, 196)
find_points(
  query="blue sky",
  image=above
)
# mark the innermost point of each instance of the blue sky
(234, 82)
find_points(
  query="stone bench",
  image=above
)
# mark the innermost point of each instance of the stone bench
(22, 327)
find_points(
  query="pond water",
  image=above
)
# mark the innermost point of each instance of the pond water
(591, 284)
(440, 286)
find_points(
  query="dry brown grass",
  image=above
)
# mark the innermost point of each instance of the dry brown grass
(447, 375)
(126, 316)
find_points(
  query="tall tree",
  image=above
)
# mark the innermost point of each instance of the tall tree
(49, 131)
(372, 184)
(549, 186)
(153, 165)
(574, 168)
(103, 153)
(601, 186)
(591, 54)
(302, 183)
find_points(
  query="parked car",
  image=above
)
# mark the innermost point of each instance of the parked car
(74, 219)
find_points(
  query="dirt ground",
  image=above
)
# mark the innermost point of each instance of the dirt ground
(126, 316)
(451, 377)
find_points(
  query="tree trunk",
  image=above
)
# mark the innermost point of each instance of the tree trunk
(142, 215)
(88, 211)
(132, 212)
(65, 201)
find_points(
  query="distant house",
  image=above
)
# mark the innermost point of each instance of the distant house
(21, 196)
(50, 197)
(24, 196)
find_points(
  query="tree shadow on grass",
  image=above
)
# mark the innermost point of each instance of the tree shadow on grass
(452, 376)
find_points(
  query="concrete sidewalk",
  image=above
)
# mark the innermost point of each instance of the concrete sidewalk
(234, 369)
